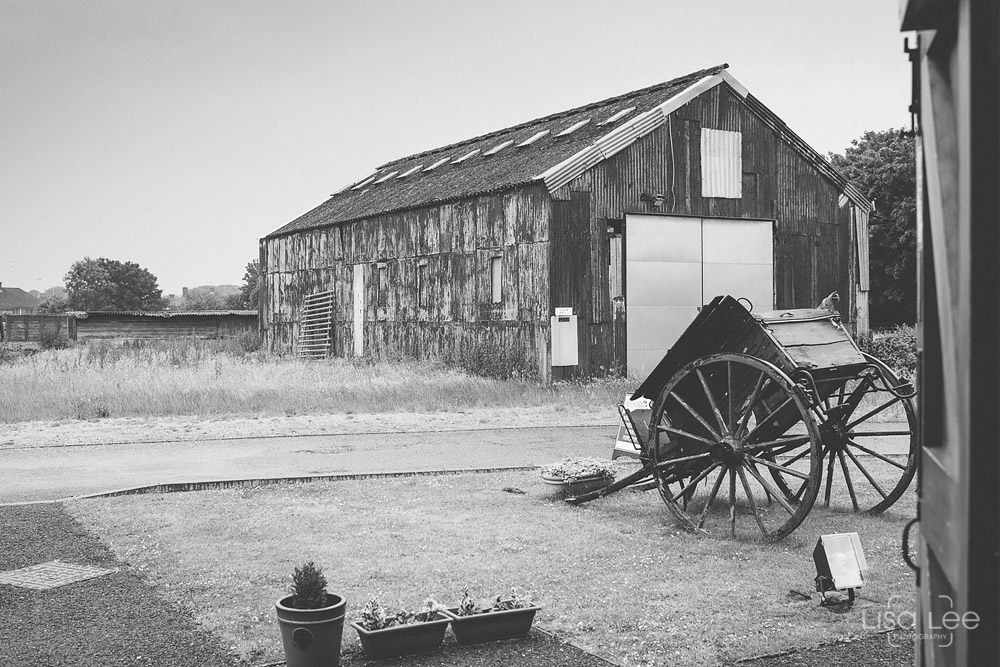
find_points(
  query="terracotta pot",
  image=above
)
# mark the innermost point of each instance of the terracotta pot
(491, 625)
(311, 637)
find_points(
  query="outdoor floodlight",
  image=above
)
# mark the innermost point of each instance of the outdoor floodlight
(840, 564)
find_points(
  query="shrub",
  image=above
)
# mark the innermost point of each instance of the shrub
(249, 341)
(516, 600)
(374, 615)
(51, 340)
(491, 360)
(309, 587)
(574, 468)
(896, 347)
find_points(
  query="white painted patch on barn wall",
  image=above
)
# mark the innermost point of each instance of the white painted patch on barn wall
(721, 164)
(663, 285)
(738, 260)
(674, 265)
(359, 310)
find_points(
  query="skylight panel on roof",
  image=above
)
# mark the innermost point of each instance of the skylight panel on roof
(499, 147)
(465, 157)
(387, 176)
(573, 128)
(409, 171)
(362, 183)
(533, 138)
(437, 164)
(618, 115)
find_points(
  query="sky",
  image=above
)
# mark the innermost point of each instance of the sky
(177, 133)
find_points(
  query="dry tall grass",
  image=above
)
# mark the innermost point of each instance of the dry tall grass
(218, 378)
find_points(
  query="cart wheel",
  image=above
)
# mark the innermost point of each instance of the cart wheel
(869, 463)
(723, 417)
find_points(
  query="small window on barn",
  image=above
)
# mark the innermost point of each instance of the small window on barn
(496, 279)
(533, 138)
(437, 164)
(618, 116)
(499, 147)
(573, 128)
(721, 164)
(422, 288)
(382, 286)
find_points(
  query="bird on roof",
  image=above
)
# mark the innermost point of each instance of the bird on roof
(831, 302)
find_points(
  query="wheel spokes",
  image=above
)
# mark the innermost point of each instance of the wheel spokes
(711, 496)
(750, 404)
(685, 434)
(864, 471)
(779, 467)
(771, 490)
(694, 481)
(872, 413)
(750, 499)
(711, 402)
(694, 413)
(847, 478)
(763, 422)
(872, 452)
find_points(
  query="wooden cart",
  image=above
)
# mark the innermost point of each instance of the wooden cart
(754, 415)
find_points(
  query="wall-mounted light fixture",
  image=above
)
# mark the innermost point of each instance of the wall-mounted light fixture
(840, 564)
(651, 198)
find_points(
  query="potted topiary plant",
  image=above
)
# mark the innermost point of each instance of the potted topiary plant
(576, 475)
(385, 635)
(494, 619)
(311, 620)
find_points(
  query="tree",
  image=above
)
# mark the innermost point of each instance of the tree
(107, 284)
(210, 297)
(250, 289)
(882, 165)
(52, 304)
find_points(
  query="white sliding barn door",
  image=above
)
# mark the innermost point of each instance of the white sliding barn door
(675, 265)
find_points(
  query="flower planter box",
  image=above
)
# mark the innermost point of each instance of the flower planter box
(402, 639)
(491, 625)
(578, 486)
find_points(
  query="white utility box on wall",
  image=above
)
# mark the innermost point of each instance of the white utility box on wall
(565, 346)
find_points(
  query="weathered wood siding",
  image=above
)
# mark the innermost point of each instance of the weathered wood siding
(122, 326)
(456, 242)
(33, 328)
(815, 250)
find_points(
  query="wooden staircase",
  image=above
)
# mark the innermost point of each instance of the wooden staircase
(315, 328)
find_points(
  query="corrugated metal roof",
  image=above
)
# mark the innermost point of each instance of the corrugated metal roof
(468, 168)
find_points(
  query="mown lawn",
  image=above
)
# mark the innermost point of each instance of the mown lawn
(615, 575)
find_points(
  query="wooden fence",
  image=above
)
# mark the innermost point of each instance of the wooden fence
(36, 328)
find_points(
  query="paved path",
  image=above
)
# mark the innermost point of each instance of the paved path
(52, 473)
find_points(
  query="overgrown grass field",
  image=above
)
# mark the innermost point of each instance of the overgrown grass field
(615, 575)
(218, 378)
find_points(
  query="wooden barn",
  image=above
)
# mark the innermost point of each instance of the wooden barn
(582, 242)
